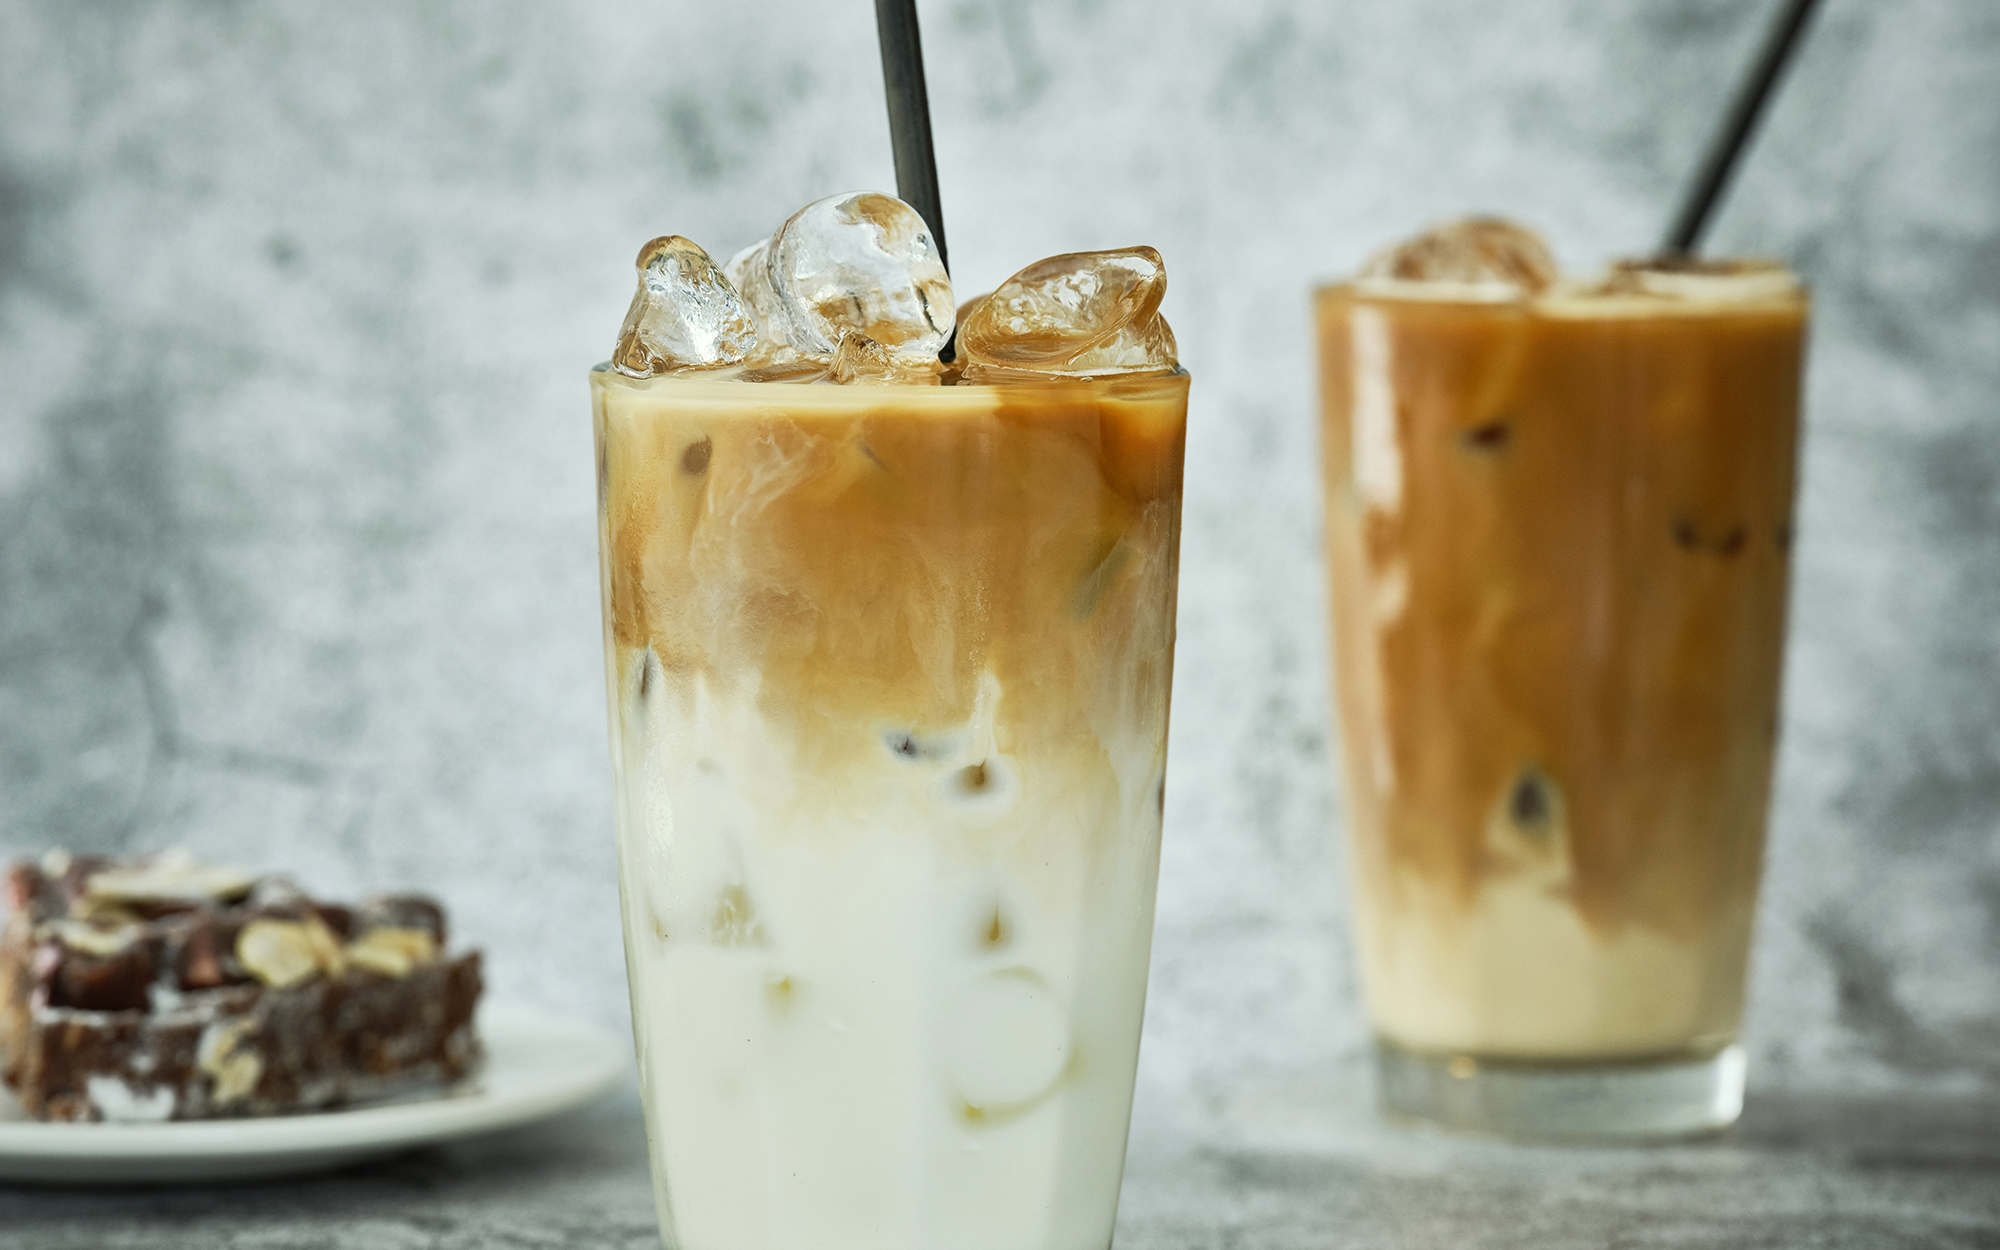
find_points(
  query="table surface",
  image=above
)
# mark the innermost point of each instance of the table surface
(1314, 1171)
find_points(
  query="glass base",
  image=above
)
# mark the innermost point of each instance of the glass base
(1527, 1101)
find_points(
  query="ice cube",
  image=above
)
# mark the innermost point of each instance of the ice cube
(1006, 1042)
(685, 314)
(749, 271)
(1527, 830)
(734, 922)
(1077, 314)
(861, 360)
(1489, 254)
(862, 262)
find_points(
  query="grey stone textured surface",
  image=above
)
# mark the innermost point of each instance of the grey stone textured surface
(1836, 1172)
(297, 550)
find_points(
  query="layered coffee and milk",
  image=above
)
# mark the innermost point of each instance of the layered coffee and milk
(1559, 521)
(889, 650)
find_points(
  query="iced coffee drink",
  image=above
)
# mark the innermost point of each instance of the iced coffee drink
(889, 645)
(1558, 522)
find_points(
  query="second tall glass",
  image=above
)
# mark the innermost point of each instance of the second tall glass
(1559, 530)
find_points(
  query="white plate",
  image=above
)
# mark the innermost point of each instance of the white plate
(538, 1064)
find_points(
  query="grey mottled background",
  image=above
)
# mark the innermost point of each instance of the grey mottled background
(296, 537)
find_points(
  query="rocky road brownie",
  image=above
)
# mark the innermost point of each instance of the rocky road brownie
(160, 988)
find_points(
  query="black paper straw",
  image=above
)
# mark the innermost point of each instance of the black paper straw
(910, 114)
(1720, 164)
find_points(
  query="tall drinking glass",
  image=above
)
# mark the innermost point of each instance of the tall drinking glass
(888, 671)
(1559, 528)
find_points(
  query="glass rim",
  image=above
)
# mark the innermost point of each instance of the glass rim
(717, 385)
(1569, 299)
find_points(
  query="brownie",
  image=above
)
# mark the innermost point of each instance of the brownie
(159, 988)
